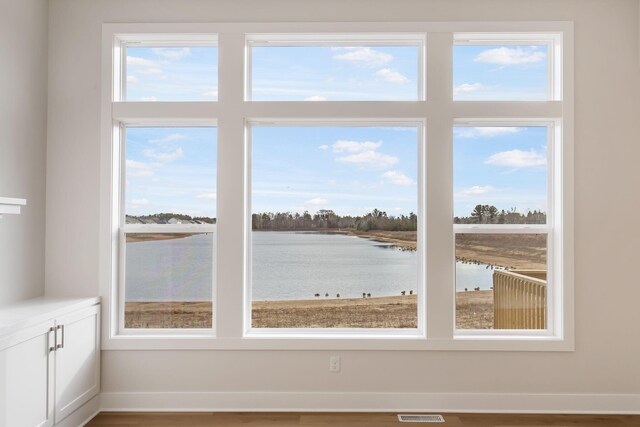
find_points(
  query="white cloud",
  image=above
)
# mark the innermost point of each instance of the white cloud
(468, 88)
(392, 76)
(476, 190)
(317, 201)
(135, 60)
(149, 99)
(132, 79)
(364, 56)
(485, 131)
(355, 146)
(207, 196)
(517, 159)
(370, 158)
(173, 54)
(211, 93)
(169, 138)
(164, 157)
(140, 202)
(132, 164)
(397, 178)
(510, 56)
(316, 98)
(150, 71)
(324, 147)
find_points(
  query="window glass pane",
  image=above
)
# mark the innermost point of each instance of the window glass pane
(169, 280)
(334, 73)
(172, 74)
(170, 179)
(501, 281)
(334, 227)
(500, 175)
(170, 175)
(500, 73)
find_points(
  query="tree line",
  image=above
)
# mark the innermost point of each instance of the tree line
(328, 219)
(489, 214)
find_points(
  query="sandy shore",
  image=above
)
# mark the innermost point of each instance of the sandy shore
(475, 311)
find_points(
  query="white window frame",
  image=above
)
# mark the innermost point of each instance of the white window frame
(550, 229)
(125, 229)
(419, 331)
(231, 113)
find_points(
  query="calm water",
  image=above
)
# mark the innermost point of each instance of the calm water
(286, 265)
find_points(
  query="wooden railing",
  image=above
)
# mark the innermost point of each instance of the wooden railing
(519, 299)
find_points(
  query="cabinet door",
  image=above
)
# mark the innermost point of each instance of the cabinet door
(26, 377)
(77, 360)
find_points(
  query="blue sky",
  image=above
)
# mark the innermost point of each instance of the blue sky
(500, 73)
(351, 170)
(172, 74)
(501, 166)
(171, 170)
(334, 73)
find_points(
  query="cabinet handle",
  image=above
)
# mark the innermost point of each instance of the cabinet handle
(55, 337)
(61, 345)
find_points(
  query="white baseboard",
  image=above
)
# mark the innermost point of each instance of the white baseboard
(371, 402)
(83, 414)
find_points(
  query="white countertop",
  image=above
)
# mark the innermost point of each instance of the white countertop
(29, 312)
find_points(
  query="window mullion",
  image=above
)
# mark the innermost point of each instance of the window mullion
(229, 307)
(439, 185)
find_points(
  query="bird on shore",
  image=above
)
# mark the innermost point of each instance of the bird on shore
(368, 295)
(337, 295)
(403, 293)
(327, 295)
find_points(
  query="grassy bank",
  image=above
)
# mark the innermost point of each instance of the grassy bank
(475, 311)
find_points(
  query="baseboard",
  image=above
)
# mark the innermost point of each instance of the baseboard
(83, 414)
(371, 402)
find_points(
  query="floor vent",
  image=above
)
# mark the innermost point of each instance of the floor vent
(416, 418)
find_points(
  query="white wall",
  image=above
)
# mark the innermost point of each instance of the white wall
(607, 149)
(23, 127)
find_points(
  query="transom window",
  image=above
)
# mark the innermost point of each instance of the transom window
(390, 211)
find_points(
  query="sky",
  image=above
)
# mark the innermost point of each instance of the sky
(172, 74)
(334, 73)
(500, 73)
(350, 170)
(501, 166)
(171, 170)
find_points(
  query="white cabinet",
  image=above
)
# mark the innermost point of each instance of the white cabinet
(77, 373)
(26, 372)
(48, 368)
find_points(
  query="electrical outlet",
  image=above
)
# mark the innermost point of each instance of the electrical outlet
(334, 364)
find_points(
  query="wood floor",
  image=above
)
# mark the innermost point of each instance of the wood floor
(352, 420)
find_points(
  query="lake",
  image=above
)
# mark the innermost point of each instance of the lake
(286, 266)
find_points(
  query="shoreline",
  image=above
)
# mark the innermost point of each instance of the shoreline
(497, 250)
(475, 310)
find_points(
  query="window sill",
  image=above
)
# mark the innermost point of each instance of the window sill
(345, 343)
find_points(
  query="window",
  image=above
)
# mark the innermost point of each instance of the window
(502, 211)
(334, 226)
(504, 67)
(342, 69)
(168, 262)
(391, 213)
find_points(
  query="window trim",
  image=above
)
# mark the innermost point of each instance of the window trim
(437, 108)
